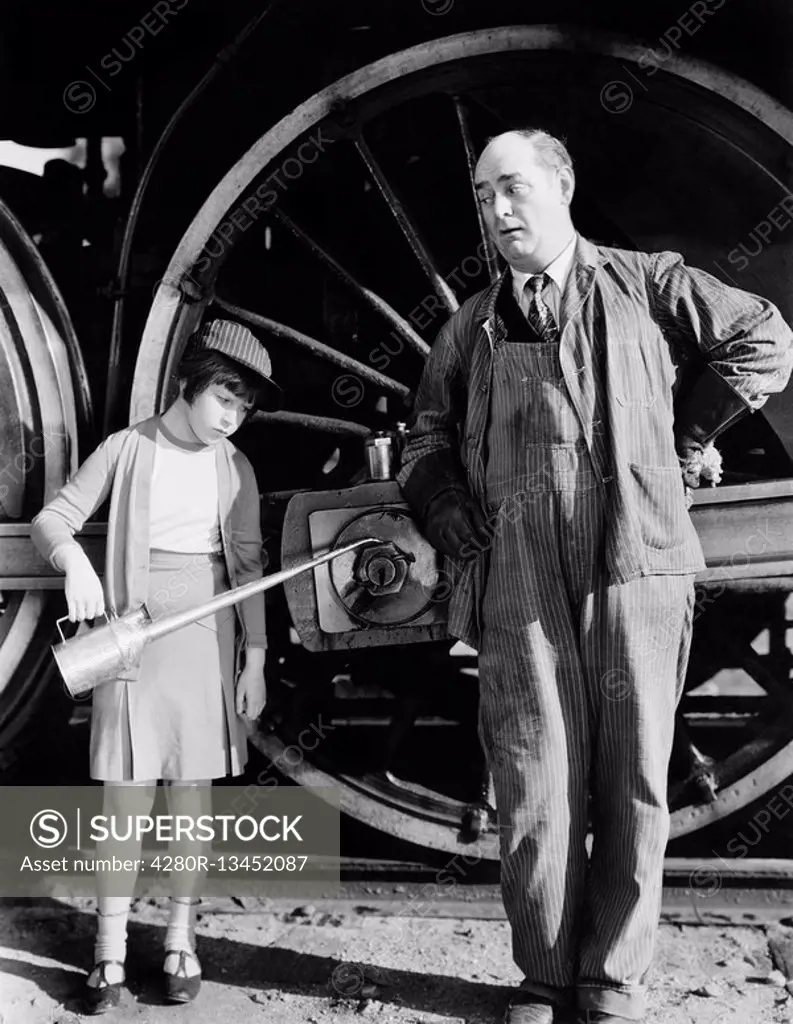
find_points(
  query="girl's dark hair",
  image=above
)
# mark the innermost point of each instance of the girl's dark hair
(200, 368)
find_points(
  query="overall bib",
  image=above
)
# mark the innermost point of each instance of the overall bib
(579, 681)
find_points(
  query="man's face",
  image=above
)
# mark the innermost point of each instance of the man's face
(216, 413)
(526, 205)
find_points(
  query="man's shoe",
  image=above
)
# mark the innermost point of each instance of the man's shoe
(528, 1008)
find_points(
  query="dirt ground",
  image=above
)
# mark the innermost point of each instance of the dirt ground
(298, 964)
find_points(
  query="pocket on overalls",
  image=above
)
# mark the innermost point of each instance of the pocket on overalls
(547, 420)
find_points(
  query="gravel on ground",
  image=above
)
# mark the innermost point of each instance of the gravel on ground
(304, 964)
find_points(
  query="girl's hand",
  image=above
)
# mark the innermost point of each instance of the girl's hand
(84, 595)
(251, 693)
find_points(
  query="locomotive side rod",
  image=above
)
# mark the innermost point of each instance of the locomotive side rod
(745, 531)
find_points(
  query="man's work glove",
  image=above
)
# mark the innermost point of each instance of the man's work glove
(698, 464)
(454, 521)
(711, 407)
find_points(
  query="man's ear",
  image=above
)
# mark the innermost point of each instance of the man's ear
(567, 184)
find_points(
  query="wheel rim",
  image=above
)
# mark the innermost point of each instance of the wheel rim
(443, 67)
(46, 413)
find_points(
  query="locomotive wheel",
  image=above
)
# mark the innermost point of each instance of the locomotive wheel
(44, 413)
(311, 263)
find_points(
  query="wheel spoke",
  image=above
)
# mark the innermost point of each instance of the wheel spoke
(378, 304)
(325, 424)
(442, 289)
(470, 160)
(753, 666)
(484, 105)
(316, 348)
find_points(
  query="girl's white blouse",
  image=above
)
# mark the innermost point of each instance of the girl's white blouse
(184, 499)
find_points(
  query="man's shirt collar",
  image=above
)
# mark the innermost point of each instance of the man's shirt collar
(558, 269)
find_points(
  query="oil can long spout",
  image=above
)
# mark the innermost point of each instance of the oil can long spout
(170, 623)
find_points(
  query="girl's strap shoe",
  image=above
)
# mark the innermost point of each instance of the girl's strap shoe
(107, 994)
(181, 987)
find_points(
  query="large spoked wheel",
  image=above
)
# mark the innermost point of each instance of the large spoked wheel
(44, 413)
(344, 237)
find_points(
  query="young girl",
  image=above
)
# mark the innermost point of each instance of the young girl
(183, 525)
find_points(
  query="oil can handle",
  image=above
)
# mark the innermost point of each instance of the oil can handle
(65, 618)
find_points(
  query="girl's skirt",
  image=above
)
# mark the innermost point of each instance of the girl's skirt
(177, 720)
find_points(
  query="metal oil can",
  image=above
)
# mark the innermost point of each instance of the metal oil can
(380, 452)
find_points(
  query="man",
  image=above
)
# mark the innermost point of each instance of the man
(569, 404)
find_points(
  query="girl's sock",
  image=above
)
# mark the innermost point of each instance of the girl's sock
(180, 934)
(112, 913)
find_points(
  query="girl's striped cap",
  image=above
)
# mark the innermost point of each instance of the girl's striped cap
(238, 343)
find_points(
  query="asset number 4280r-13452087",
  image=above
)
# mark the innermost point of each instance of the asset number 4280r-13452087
(230, 863)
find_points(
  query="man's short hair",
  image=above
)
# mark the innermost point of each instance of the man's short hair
(551, 151)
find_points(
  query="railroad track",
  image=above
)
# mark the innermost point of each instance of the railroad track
(697, 891)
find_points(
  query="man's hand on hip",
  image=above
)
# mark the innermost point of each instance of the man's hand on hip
(454, 520)
(690, 459)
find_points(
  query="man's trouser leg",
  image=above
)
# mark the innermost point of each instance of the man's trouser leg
(535, 718)
(635, 642)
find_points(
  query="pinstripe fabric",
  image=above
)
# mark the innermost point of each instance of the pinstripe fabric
(577, 696)
(657, 318)
(529, 449)
(581, 609)
(237, 342)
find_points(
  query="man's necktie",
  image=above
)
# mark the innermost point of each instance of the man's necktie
(539, 315)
